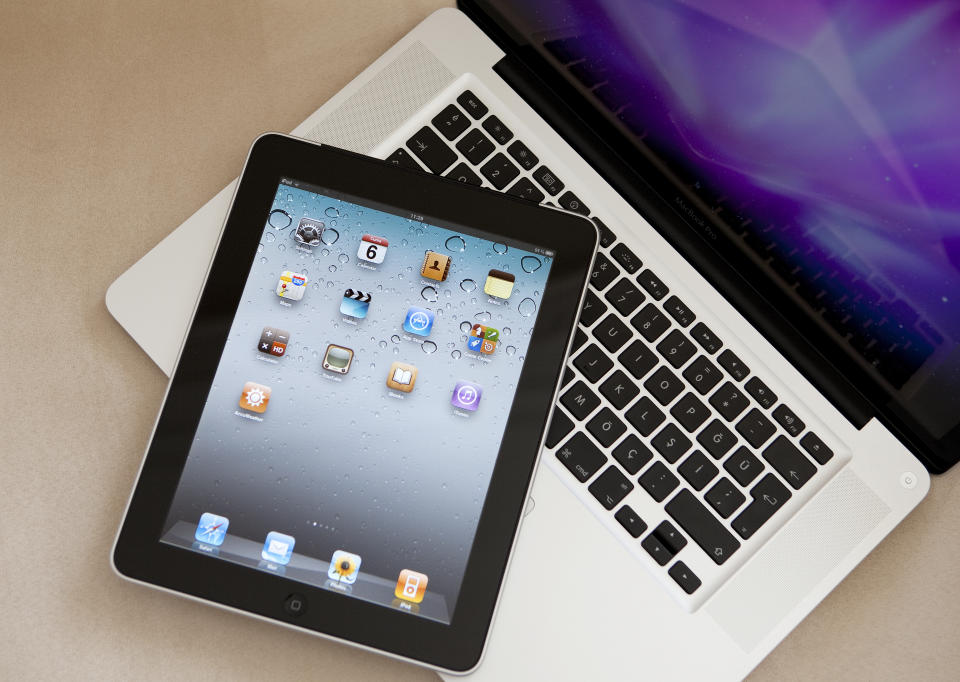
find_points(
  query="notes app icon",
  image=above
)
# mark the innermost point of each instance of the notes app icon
(499, 284)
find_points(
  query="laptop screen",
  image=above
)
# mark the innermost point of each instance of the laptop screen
(822, 137)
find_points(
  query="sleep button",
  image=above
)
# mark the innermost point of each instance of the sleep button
(295, 604)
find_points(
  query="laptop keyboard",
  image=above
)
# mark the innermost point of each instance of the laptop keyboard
(653, 402)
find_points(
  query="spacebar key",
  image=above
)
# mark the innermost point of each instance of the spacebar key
(702, 526)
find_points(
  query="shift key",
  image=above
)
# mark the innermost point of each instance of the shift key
(581, 457)
(702, 526)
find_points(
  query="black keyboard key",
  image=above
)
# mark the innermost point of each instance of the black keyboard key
(402, 158)
(755, 428)
(580, 400)
(684, 577)
(475, 146)
(627, 258)
(472, 105)
(610, 487)
(603, 273)
(632, 454)
(725, 498)
(525, 189)
(733, 365)
(581, 457)
(434, 152)
(790, 422)
(697, 470)
(560, 426)
(656, 549)
(729, 401)
(671, 443)
(451, 122)
(546, 179)
(568, 376)
(743, 466)
(571, 202)
(768, 495)
(593, 363)
(630, 520)
(701, 525)
(651, 322)
(716, 439)
(816, 447)
(761, 393)
(606, 427)
(522, 155)
(676, 348)
(707, 339)
(789, 462)
(690, 412)
(612, 333)
(679, 311)
(624, 296)
(652, 284)
(671, 538)
(619, 389)
(702, 374)
(497, 130)
(638, 359)
(579, 338)
(607, 237)
(463, 173)
(593, 309)
(645, 416)
(664, 385)
(659, 481)
(500, 171)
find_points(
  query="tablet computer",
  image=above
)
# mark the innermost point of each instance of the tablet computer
(348, 439)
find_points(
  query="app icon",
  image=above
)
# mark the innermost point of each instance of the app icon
(291, 285)
(411, 586)
(499, 284)
(277, 548)
(355, 304)
(435, 266)
(255, 397)
(337, 358)
(273, 341)
(418, 321)
(212, 529)
(466, 396)
(483, 339)
(344, 567)
(402, 377)
(372, 249)
(309, 231)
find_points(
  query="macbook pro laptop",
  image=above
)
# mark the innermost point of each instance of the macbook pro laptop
(765, 363)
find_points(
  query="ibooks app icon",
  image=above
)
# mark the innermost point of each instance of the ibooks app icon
(411, 586)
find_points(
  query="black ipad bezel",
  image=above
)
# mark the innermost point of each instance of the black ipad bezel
(138, 553)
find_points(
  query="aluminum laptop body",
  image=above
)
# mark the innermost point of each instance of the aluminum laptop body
(584, 598)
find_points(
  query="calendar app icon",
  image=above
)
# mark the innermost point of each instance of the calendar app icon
(372, 249)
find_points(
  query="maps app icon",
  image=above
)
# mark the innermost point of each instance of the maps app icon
(355, 304)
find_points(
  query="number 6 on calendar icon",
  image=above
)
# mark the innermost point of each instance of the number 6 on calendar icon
(372, 249)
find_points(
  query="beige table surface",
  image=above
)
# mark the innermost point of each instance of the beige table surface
(119, 119)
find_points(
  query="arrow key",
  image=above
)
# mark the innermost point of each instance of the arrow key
(684, 577)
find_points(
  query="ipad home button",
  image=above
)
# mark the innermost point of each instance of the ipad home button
(295, 604)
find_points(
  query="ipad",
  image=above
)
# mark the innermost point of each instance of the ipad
(348, 439)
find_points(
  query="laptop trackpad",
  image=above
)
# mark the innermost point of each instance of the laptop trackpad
(764, 592)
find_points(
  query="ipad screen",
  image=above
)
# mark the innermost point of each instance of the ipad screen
(358, 407)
